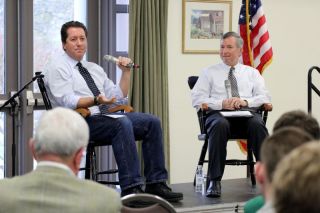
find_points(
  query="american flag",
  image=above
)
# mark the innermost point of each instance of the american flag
(257, 50)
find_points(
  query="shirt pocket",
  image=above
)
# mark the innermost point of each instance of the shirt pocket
(245, 87)
(218, 90)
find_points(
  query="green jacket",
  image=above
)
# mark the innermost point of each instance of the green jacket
(51, 189)
(254, 204)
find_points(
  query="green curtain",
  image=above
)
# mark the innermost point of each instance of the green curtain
(148, 48)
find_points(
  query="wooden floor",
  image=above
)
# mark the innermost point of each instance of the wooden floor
(235, 193)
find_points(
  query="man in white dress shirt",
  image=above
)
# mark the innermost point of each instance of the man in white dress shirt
(247, 89)
(73, 82)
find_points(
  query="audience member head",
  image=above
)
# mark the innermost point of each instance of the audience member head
(61, 136)
(300, 119)
(273, 149)
(296, 185)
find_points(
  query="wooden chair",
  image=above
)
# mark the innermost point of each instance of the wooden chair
(249, 162)
(91, 170)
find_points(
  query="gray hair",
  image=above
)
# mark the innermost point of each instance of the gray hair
(62, 132)
(239, 40)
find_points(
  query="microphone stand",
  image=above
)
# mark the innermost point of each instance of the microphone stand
(12, 101)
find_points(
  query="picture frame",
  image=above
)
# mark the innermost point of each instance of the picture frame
(203, 24)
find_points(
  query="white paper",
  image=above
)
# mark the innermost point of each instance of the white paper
(114, 115)
(236, 113)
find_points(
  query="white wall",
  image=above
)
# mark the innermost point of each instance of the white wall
(294, 30)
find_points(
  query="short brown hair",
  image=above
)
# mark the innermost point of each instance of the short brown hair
(300, 119)
(296, 182)
(67, 25)
(280, 143)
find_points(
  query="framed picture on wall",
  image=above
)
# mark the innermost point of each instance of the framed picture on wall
(203, 23)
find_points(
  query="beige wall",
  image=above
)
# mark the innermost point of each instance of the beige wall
(294, 30)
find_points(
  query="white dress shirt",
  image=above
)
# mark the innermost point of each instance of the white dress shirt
(210, 87)
(65, 85)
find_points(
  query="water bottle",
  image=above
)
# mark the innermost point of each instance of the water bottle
(199, 179)
(204, 185)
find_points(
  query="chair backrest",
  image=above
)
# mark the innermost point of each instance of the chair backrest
(43, 91)
(192, 80)
(160, 205)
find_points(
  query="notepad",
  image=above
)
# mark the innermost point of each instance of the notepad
(114, 115)
(236, 113)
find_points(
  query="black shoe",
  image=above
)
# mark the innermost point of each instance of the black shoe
(132, 190)
(162, 190)
(214, 189)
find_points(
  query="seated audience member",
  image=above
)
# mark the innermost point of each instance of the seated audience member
(295, 118)
(299, 118)
(296, 185)
(58, 145)
(273, 149)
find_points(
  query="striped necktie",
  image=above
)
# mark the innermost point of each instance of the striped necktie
(233, 82)
(92, 86)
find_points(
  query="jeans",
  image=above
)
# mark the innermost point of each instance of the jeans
(219, 130)
(122, 133)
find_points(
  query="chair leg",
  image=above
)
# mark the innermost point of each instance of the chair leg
(251, 166)
(202, 158)
(94, 170)
(88, 163)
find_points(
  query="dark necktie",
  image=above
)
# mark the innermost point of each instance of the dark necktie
(233, 82)
(92, 86)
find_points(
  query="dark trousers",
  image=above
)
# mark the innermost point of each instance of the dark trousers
(122, 134)
(221, 129)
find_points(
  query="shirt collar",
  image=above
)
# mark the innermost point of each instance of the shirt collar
(55, 164)
(227, 67)
(73, 62)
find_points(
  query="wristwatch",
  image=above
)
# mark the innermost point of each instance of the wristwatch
(95, 100)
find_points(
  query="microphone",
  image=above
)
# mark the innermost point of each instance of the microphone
(112, 59)
(227, 85)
